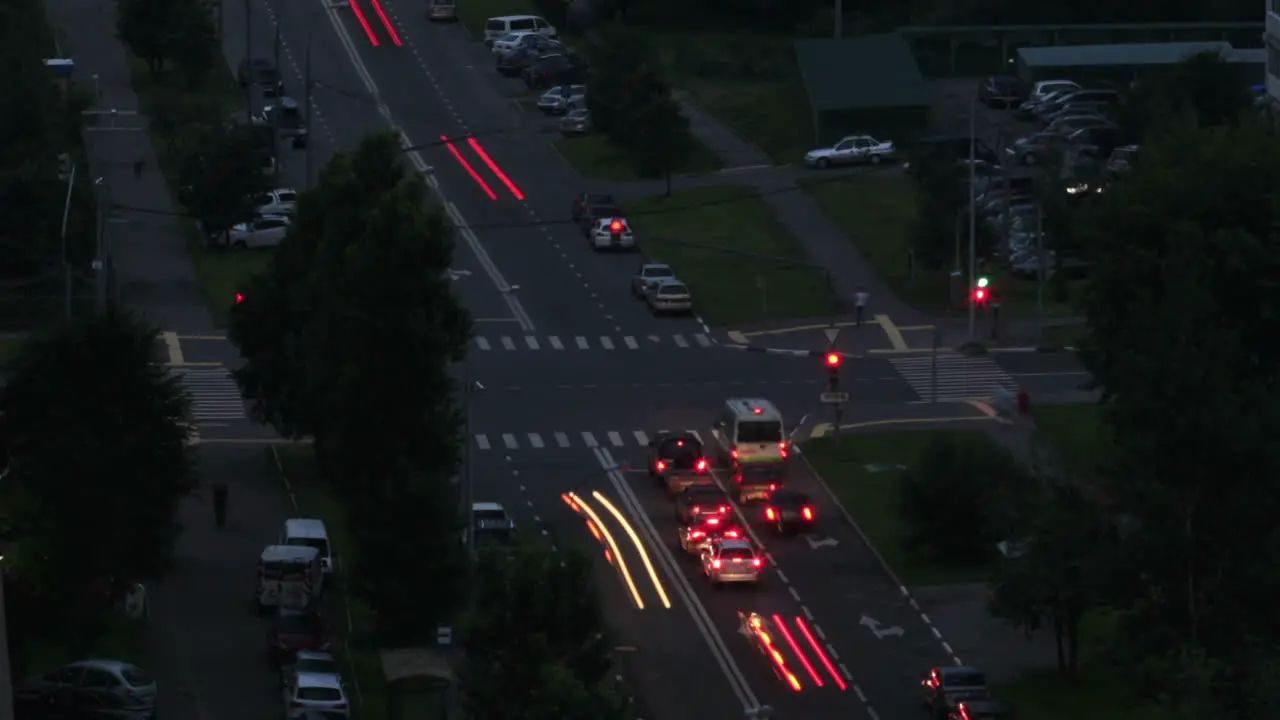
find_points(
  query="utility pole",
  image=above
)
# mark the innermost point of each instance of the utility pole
(248, 53)
(838, 20)
(1040, 261)
(100, 260)
(973, 214)
(66, 266)
(306, 104)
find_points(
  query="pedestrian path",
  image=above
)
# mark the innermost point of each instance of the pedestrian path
(511, 343)
(563, 439)
(214, 393)
(955, 377)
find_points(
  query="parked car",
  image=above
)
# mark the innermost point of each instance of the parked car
(1078, 97)
(563, 98)
(1122, 159)
(951, 148)
(309, 661)
(555, 69)
(611, 233)
(316, 691)
(280, 201)
(530, 47)
(293, 630)
(496, 27)
(670, 296)
(1041, 90)
(1000, 92)
(89, 689)
(1083, 109)
(443, 11)
(266, 231)
(590, 206)
(1100, 137)
(853, 149)
(507, 43)
(261, 72)
(1067, 125)
(649, 274)
(577, 122)
(1033, 149)
(946, 687)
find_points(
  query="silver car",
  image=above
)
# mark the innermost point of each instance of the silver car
(731, 561)
(119, 688)
(577, 122)
(443, 11)
(562, 99)
(280, 201)
(267, 231)
(670, 296)
(648, 275)
(308, 662)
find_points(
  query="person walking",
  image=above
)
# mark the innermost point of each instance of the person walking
(860, 297)
(220, 505)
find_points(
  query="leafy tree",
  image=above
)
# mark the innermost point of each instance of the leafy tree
(1206, 87)
(660, 142)
(533, 609)
(961, 498)
(97, 463)
(218, 176)
(190, 40)
(143, 25)
(943, 189)
(624, 75)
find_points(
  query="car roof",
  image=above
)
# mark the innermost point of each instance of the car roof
(487, 506)
(102, 664)
(677, 435)
(509, 18)
(289, 553)
(314, 655)
(734, 544)
(305, 528)
(787, 494)
(652, 266)
(315, 679)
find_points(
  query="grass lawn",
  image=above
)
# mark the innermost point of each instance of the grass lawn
(9, 347)
(297, 463)
(1099, 694)
(872, 498)
(223, 273)
(1076, 432)
(700, 232)
(595, 156)
(1066, 335)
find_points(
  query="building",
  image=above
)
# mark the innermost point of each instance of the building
(1272, 35)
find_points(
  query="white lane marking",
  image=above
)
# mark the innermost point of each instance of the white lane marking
(531, 341)
(590, 440)
(562, 440)
(510, 441)
(174, 346)
(507, 344)
(536, 440)
(615, 438)
(703, 340)
(680, 341)
(555, 343)
(641, 438)
(581, 342)
(482, 343)
(482, 441)
(606, 343)
(631, 343)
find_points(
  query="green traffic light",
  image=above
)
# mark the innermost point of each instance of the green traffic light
(983, 282)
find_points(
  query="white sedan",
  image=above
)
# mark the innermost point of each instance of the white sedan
(267, 231)
(669, 296)
(611, 232)
(851, 150)
(507, 43)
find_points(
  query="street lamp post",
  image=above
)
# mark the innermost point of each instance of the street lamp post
(469, 390)
(100, 259)
(66, 266)
(973, 201)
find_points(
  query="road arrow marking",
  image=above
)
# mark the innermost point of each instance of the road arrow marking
(455, 274)
(874, 626)
(815, 542)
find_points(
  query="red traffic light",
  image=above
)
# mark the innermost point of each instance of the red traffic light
(239, 298)
(833, 360)
(980, 294)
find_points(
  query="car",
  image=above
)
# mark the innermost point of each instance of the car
(293, 630)
(997, 203)
(261, 72)
(280, 201)
(698, 501)
(497, 27)
(1070, 109)
(493, 526)
(443, 11)
(1039, 92)
(611, 233)
(756, 481)
(1101, 137)
(981, 710)
(508, 42)
(530, 47)
(787, 511)
(560, 100)
(731, 560)
(950, 148)
(1048, 101)
(648, 275)
(288, 118)
(706, 528)
(1033, 149)
(670, 297)
(89, 688)
(266, 231)
(316, 691)
(1122, 158)
(308, 661)
(676, 461)
(577, 122)
(1066, 125)
(999, 220)
(554, 69)
(589, 206)
(1077, 97)
(1000, 92)
(945, 687)
(853, 149)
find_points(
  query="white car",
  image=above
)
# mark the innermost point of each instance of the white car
(669, 296)
(611, 232)
(308, 662)
(281, 201)
(562, 99)
(492, 524)
(648, 275)
(850, 150)
(508, 42)
(319, 692)
(267, 231)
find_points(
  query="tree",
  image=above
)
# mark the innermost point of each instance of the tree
(97, 461)
(143, 25)
(218, 174)
(624, 68)
(660, 142)
(1207, 87)
(190, 40)
(942, 227)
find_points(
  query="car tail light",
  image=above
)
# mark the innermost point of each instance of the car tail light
(732, 534)
(724, 509)
(733, 454)
(661, 466)
(756, 562)
(772, 487)
(715, 564)
(702, 466)
(697, 535)
(696, 510)
(769, 514)
(807, 512)
(713, 521)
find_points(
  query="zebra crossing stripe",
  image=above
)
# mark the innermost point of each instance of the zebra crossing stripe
(482, 343)
(615, 438)
(631, 343)
(510, 441)
(482, 441)
(703, 340)
(531, 341)
(555, 343)
(680, 341)
(589, 439)
(562, 440)
(582, 342)
(606, 343)
(507, 344)
(536, 441)
(641, 438)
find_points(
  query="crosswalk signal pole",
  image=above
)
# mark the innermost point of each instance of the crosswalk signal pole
(833, 360)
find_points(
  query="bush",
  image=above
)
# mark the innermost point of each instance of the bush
(961, 498)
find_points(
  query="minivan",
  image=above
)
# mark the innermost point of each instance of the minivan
(497, 27)
(309, 532)
(443, 11)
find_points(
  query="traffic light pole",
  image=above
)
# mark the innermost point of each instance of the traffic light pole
(973, 215)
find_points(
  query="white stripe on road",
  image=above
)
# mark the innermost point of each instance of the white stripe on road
(510, 441)
(531, 341)
(641, 437)
(631, 343)
(482, 343)
(615, 438)
(562, 440)
(590, 440)
(555, 343)
(482, 441)
(680, 341)
(507, 344)
(606, 343)
(703, 340)
(582, 342)
(536, 440)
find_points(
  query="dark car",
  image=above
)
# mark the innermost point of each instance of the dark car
(699, 501)
(1001, 92)
(555, 69)
(788, 511)
(529, 48)
(946, 687)
(981, 710)
(676, 461)
(261, 72)
(1034, 149)
(698, 535)
(589, 207)
(89, 689)
(755, 481)
(295, 630)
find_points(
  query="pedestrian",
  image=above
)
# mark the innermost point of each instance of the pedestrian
(220, 505)
(860, 297)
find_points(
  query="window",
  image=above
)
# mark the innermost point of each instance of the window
(97, 678)
(844, 145)
(288, 197)
(1273, 57)
(495, 26)
(964, 679)
(136, 677)
(524, 25)
(673, 290)
(759, 431)
(320, 694)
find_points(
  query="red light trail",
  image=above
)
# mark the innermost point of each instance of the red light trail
(364, 22)
(468, 167)
(386, 23)
(494, 167)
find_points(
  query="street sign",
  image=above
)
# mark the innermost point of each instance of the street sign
(834, 398)
(832, 333)
(444, 635)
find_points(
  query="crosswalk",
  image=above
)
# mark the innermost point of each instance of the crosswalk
(959, 377)
(214, 393)
(566, 439)
(511, 343)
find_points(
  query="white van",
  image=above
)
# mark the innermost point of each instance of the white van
(309, 532)
(497, 27)
(750, 430)
(289, 576)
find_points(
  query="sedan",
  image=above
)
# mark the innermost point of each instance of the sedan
(1067, 125)
(1032, 149)
(507, 43)
(111, 687)
(670, 296)
(295, 630)
(562, 99)
(610, 232)
(551, 70)
(577, 122)
(648, 275)
(267, 231)
(788, 511)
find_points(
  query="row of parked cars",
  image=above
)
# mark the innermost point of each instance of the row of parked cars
(528, 47)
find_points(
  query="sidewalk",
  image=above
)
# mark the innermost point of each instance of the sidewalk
(795, 210)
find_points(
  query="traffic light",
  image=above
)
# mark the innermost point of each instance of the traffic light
(832, 361)
(239, 298)
(981, 291)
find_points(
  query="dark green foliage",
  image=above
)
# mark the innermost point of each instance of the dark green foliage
(961, 499)
(659, 140)
(1206, 87)
(944, 212)
(618, 55)
(97, 465)
(218, 177)
(162, 30)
